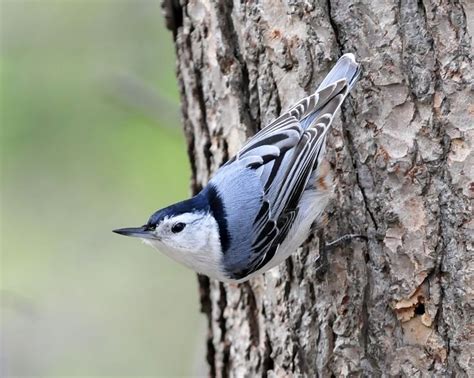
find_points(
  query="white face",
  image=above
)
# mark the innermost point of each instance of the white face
(191, 239)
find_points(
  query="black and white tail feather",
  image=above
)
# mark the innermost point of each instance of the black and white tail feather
(287, 152)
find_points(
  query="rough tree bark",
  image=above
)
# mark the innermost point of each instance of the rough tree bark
(399, 304)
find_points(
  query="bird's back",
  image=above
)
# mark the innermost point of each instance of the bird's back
(263, 184)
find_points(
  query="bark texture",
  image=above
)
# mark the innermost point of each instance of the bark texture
(401, 149)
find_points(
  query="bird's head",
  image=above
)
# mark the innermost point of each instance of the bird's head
(187, 232)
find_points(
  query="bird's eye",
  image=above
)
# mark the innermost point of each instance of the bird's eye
(178, 227)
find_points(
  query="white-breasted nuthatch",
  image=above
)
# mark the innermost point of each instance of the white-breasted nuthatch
(259, 207)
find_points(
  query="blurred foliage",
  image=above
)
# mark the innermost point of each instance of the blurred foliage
(90, 141)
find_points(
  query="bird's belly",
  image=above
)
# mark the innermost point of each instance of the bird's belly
(312, 205)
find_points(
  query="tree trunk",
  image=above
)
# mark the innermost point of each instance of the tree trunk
(401, 149)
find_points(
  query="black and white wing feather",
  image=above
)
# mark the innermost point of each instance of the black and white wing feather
(285, 154)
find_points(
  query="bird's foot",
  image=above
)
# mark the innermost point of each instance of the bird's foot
(322, 261)
(343, 240)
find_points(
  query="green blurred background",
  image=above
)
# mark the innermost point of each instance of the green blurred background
(90, 141)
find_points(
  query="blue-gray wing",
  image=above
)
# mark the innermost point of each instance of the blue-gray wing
(284, 155)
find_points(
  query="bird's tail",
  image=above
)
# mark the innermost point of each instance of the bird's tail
(320, 107)
(346, 68)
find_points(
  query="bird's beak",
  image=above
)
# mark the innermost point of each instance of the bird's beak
(136, 232)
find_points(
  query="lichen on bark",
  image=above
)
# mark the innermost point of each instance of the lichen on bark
(401, 149)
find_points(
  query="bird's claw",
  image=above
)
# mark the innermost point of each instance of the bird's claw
(322, 261)
(345, 239)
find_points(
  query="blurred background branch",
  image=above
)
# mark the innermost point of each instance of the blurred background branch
(90, 141)
(133, 93)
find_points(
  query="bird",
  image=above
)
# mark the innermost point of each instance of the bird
(262, 204)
